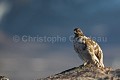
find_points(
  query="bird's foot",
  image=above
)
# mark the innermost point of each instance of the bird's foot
(86, 64)
(81, 66)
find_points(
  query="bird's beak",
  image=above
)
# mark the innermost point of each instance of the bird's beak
(75, 32)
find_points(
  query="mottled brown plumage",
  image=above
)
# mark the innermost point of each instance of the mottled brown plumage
(88, 50)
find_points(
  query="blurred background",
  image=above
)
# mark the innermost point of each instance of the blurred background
(36, 35)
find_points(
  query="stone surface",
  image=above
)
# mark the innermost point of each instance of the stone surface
(86, 73)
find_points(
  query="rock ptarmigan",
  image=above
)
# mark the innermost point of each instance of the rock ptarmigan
(87, 49)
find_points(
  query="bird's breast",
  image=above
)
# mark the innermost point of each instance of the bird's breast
(78, 43)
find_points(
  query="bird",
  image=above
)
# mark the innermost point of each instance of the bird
(3, 78)
(87, 49)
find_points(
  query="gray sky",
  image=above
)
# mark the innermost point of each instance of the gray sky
(44, 29)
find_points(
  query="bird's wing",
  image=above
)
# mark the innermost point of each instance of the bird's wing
(89, 44)
(93, 47)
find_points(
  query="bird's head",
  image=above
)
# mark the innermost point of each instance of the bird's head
(78, 32)
(2, 77)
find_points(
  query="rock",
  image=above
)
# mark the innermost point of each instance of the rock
(86, 73)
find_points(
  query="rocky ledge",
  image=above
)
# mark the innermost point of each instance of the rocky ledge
(86, 73)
